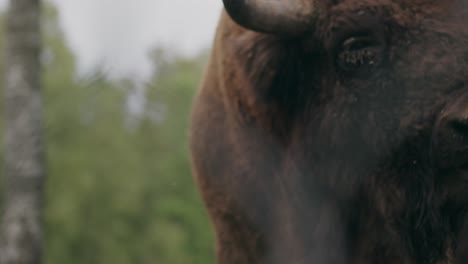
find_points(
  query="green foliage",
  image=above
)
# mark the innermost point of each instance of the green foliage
(119, 186)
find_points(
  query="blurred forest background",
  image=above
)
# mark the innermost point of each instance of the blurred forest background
(119, 188)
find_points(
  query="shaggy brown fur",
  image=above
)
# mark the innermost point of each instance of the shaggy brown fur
(306, 152)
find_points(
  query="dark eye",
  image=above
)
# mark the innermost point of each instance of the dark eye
(359, 52)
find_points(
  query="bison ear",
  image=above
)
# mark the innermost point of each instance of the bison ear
(283, 17)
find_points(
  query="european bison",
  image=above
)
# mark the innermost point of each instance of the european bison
(336, 132)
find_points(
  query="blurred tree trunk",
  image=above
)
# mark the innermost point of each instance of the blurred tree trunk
(24, 149)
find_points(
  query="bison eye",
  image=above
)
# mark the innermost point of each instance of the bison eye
(359, 52)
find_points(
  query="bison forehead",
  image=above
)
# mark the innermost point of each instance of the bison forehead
(417, 7)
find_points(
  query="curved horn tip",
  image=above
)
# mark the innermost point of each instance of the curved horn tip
(291, 17)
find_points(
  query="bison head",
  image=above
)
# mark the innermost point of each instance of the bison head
(336, 131)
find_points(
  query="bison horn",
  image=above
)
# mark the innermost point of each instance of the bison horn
(285, 17)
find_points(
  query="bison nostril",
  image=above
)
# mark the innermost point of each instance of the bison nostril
(460, 126)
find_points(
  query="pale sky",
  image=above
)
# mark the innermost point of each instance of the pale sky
(119, 33)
